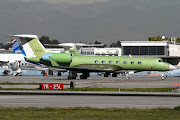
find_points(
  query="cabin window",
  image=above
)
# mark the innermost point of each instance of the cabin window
(139, 63)
(117, 62)
(125, 62)
(96, 61)
(132, 62)
(103, 61)
(110, 62)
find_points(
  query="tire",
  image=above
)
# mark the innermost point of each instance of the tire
(83, 77)
(59, 74)
(114, 75)
(106, 75)
(162, 78)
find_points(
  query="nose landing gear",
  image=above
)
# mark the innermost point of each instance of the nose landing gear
(127, 75)
(163, 76)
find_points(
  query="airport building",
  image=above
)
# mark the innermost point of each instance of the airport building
(132, 48)
(55, 50)
(145, 48)
(137, 48)
(100, 51)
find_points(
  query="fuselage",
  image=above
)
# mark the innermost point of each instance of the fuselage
(111, 63)
(11, 58)
(116, 63)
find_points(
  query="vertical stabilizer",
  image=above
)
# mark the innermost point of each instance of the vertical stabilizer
(16, 47)
(31, 45)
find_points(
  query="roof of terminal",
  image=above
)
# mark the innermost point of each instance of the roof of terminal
(144, 43)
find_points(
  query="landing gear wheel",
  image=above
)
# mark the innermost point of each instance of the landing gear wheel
(83, 77)
(59, 74)
(114, 75)
(162, 77)
(106, 75)
(71, 77)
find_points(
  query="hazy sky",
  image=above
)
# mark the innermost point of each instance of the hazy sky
(88, 21)
(76, 2)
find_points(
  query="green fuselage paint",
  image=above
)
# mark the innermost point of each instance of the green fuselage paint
(116, 63)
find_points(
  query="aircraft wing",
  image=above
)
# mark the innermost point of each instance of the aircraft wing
(56, 65)
(44, 69)
(84, 69)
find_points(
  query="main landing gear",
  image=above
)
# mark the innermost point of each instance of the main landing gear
(84, 75)
(113, 75)
(59, 73)
(50, 72)
(106, 74)
(72, 75)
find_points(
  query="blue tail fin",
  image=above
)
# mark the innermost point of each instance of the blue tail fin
(16, 47)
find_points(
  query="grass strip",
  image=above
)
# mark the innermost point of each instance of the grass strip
(19, 89)
(10, 113)
(104, 89)
(9, 83)
(122, 90)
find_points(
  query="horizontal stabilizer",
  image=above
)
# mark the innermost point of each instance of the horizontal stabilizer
(23, 36)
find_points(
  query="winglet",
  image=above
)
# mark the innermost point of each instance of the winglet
(71, 47)
(53, 62)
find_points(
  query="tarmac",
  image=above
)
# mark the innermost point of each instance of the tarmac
(89, 93)
(95, 99)
(93, 81)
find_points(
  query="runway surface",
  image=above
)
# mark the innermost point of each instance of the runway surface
(88, 101)
(94, 81)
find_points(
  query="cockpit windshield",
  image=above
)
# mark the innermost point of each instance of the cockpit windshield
(161, 60)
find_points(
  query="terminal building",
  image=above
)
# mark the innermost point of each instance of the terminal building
(100, 51)
(145, 48)
(136, 48)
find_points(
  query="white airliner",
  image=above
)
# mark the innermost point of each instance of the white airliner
(15, 60)
(18, 63)
(10, 58)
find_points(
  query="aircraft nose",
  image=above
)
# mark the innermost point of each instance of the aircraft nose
(172, 67)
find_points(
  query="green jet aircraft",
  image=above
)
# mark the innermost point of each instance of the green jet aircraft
(76, 63)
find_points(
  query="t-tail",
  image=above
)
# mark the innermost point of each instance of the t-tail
(71, 47)
(16, 47)
(31, 45)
